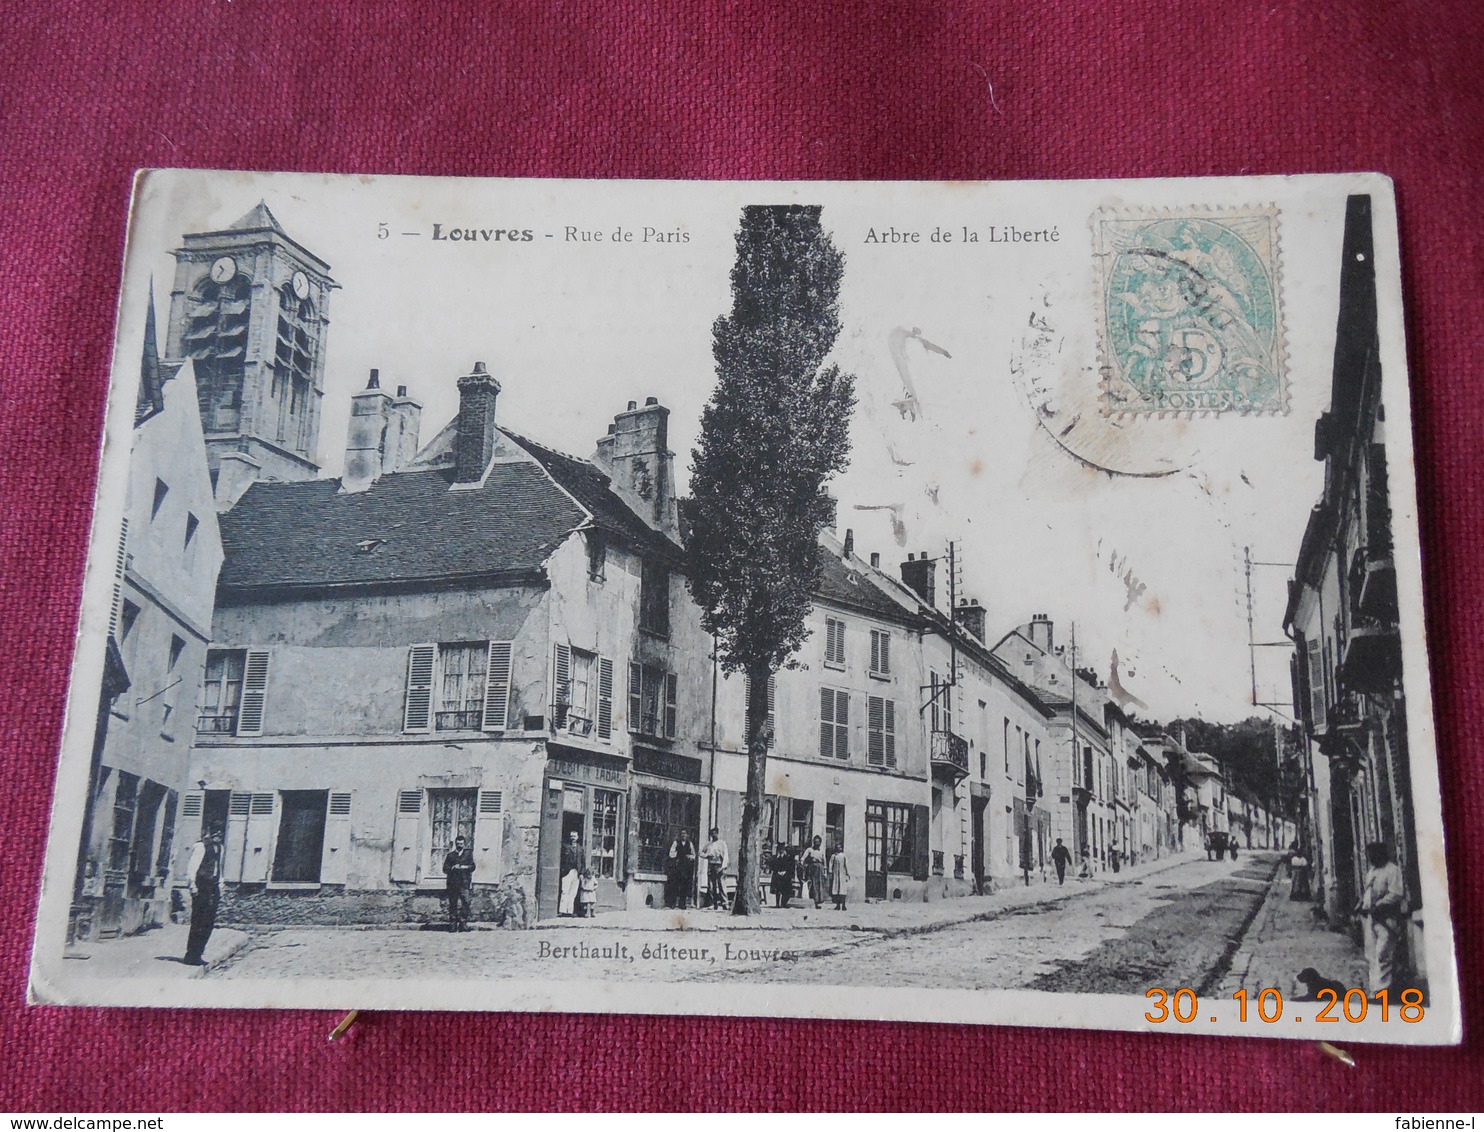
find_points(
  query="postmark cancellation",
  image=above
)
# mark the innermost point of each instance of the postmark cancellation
(1189, 316)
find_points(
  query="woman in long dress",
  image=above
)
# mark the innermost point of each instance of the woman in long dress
(813, 861)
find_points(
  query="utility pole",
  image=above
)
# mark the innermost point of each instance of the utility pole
(1079, 834)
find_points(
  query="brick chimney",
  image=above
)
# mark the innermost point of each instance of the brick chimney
(970, 614)
(474, 444)
(921, 576)
(636, 455)
(1040, 632)
(849, 543)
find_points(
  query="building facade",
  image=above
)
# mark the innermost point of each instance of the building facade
(169, 553)
(478, 643)
(1342, 617)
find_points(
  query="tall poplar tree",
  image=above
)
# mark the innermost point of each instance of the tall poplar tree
(776, 429)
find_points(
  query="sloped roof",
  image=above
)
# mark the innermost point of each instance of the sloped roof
(256, 219)
(842, 584)
(589, 485)
(406, 527)
(151, 398)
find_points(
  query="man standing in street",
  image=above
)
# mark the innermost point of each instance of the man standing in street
(717, 859)
(1061, 857)
(458, 871)
(1383, 905)
(683, 869)
(204, 869)
(572, 863)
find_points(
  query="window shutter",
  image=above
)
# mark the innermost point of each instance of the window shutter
(671, 703)
(636, 697)
(334, 863)
(842, 725)
(489, 831)
(605, 698)
(260, 828)
(254, 692)
(497, 687)
(235, 845)
(875, 731)
(406, 831)
(885, 653)
(1317, 714)
(119, 567)
(418, 715)
(561, 679)
(890, 733)
(826, 723)
(772, 712)
(920, 854)
(187, 831)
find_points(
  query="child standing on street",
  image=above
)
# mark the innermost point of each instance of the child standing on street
(587, 893)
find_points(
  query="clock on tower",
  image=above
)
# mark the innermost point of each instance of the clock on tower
(249, 310)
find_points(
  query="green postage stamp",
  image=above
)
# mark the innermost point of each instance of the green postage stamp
(1188, 310)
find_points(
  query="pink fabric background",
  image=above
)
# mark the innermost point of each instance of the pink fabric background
(866, 89)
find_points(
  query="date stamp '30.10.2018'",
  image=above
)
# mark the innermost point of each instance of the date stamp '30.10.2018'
(1188, 311)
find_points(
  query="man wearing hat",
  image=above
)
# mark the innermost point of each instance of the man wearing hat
(205, 872)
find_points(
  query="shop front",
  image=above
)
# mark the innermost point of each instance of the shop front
(586, 807)
(668, 799)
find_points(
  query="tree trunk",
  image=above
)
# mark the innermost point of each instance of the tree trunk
(748, 901)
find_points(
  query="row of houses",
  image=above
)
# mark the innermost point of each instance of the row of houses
(1343, 619)
(483, 636)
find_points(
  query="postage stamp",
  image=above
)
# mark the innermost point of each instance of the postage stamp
(1189, 313)
(738, 598)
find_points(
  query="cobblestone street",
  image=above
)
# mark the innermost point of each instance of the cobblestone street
(1179, 920)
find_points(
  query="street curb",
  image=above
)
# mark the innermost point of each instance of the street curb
(227, 956)
(1230, 955)
(1058, 894)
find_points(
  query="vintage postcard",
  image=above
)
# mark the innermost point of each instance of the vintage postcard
(985, 603)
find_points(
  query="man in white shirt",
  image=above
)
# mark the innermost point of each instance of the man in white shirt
(717, 859)
(1383, 905)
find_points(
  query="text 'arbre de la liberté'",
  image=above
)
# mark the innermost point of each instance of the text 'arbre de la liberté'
(993, 234)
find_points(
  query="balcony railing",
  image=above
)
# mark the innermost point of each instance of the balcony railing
(950, 752)
(460, 720)
(216, 724)
(563, 718)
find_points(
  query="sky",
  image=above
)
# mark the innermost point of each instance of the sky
(971, 360)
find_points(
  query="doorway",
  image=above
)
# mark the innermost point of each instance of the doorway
(875, 851)
(978, 817)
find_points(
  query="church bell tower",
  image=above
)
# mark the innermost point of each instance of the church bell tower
(249, 308)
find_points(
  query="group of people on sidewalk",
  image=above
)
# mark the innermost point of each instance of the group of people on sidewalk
(789, 868)
(821, 873)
